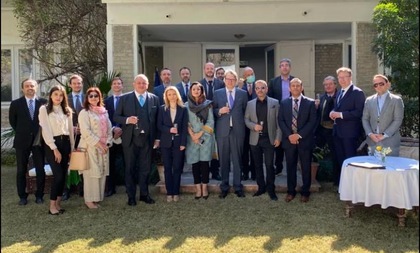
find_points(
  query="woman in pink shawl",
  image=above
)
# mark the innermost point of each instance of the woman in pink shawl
(96, 138)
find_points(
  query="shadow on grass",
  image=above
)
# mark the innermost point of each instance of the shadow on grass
(251, 224)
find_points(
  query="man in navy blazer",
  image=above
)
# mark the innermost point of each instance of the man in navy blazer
(26, 127)
(210, 85)
(278, 88)
(115, 151)
(298, 138)
(137, 113)
(185, 84)
(166, 77)
(347, 116)
(229, 106)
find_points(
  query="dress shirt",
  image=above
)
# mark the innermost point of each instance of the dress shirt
(285, 91)
(262, 114)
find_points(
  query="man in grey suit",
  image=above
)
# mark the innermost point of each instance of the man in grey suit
(136, 113)
(229, 106)
(382, 116)
(261, 118)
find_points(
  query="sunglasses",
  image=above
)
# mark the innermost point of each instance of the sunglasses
(93, 96)
(375, 85)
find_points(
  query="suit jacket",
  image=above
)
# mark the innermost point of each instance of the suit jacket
(251, 119)
(127, 106)
(181, 90)
(164, 124)
(25, 128)
(275, 88)
(217, 84)
(158, 91)
(306, 122)
(329, 106)
(237, 113)
(390, 119)
(253, 94)
(110, 107)
(351, 106)
(71, 104)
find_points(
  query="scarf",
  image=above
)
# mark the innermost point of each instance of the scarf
(201, 110)
(102, 113)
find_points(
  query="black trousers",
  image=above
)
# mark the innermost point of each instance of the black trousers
(200, 172)
(264, 152)
(115, 152)
(59, 169)
(22, 159)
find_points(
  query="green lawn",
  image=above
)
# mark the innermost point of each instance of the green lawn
(230, 225)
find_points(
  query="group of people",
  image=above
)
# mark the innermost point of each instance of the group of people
(235, 124)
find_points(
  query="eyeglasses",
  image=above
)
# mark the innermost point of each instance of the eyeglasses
(93, 96)
(375, 85)
(260, 88)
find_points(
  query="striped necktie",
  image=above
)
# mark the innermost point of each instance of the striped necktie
(31, 108)
(295, 115)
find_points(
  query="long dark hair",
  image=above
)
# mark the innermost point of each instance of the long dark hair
(202, 97)
(64, 103)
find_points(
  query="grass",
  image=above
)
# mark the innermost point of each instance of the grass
(230, 225)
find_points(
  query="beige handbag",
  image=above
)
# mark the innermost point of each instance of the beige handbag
(79, 160)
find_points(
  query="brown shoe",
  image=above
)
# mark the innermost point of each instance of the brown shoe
(289, 198)
(304, 199)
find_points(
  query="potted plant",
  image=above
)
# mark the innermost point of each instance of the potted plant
(319, 154)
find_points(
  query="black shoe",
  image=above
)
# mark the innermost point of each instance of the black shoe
(258, 193)
(39, 200)
(207, 196)
(132, 202)
(240, 194)
(66, 196)
(110, 193)
(216, 176)
(23, 201)
(57, 213)
(61, 211)
(278, 171)
(273, 196)
(147, 199)
(245, 177)
(223, 194)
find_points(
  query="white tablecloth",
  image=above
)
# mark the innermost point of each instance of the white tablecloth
(396, 186)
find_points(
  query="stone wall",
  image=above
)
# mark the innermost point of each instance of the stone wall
(328, 58)
(123, 53)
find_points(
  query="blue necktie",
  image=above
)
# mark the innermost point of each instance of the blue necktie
(141, 99)
(230, 99)
(117, 99)
(31, 108)
(78, 104)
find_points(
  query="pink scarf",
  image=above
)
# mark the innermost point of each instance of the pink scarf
(103, 122)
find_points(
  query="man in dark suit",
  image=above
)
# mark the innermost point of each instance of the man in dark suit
(115, 152)
(75, 100)
(136, 113)
(247, 158)
(261, 118)
(347, 116)
(210, 85)
(185, 84)
(297, 121)
(324, 127)
(166, 77)
(23, 117)
(229, 106)
(278, 88)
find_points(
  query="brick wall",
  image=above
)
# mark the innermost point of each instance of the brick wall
(367, 62)
(328, 58)
(123, 53)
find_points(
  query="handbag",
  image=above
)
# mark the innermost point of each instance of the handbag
(79, 160)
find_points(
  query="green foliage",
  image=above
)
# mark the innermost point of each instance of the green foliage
(104, 82)
(321, 153)
(397, 43)
(410, 125)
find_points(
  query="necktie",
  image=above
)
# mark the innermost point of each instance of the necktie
(117, 99)
(295, 115)
(31, 108)
(141, 99)
(250, 89)
(186, 89)
(210, 90)
(230, 99)
(341, 96)
(78, 103)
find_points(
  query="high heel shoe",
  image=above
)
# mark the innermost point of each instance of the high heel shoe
(57, 213)
(206, 197)
(197, 197)
(61, 210)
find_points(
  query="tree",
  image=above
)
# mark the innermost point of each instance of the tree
(66, 37)
(397, 44)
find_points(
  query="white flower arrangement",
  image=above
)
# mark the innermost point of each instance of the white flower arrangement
(381, 152)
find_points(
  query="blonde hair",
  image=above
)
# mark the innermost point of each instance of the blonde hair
(178, 96)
